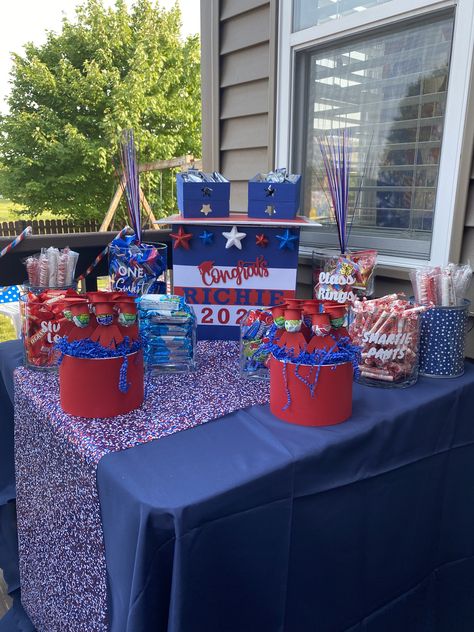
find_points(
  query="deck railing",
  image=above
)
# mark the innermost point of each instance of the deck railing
(49, 226)
(88, 245)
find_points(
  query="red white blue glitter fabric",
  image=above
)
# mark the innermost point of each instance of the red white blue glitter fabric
(62, 562)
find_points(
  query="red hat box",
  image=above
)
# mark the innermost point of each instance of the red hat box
(332, 397)
(89, 387)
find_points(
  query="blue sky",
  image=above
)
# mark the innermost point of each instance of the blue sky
(28, 20)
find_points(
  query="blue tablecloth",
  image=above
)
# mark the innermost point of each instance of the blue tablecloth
(252, 524)
(11, 356)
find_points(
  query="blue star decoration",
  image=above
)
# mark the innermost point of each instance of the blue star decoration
(287, 240)
(207, 238)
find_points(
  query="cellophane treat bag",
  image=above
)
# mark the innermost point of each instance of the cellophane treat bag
(44, 323)
(136, 267)
(343, 277)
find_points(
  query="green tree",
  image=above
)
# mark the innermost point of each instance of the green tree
(107, 70)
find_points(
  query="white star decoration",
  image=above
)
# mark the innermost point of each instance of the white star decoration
(234, 238)
(206, 209)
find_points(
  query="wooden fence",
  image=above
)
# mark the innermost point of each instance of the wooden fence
(49, 227)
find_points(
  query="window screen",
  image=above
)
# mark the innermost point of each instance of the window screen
(390, 89)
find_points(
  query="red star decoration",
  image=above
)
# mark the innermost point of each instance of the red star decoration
(261, 240)
(181, 239)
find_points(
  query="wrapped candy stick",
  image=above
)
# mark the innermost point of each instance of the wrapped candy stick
(24, 233)
(125, 231)
(386, 329)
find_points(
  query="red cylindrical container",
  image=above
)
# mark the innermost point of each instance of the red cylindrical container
(90, 387)
(332, 399)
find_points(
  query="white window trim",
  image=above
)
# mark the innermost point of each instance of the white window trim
(457, 105)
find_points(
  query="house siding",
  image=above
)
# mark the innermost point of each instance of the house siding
(243, 135)
(239, 43)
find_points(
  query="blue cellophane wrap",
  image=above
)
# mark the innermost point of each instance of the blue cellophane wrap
(254, 334)
(168, 329)
(135, 267)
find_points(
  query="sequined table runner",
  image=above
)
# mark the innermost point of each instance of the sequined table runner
(62, 562)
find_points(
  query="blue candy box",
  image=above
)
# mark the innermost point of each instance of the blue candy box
(202, 194)
(272, 199)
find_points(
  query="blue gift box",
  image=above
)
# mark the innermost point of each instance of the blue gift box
(277, 200)
(202, 199)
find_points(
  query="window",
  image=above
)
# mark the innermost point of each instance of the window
(391, 85)
(310, 12)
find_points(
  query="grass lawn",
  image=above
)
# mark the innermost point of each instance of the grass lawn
(7, 212)
(6, 208)
(7, 332)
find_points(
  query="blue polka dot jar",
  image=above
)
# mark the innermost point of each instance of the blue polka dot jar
(443, 334)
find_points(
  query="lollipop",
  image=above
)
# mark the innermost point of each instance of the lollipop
(127, 313)
(80, 314)
(278, 313)
(104, 313)
(292, 320)
(320, 324)
(321, 328)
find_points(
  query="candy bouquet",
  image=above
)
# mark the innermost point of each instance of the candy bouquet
(342, 277)
(310, 358)
(100, 363)
(135, 266)
(387, 331)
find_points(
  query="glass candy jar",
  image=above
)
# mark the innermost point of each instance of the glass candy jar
(389, 340)
(254, 331)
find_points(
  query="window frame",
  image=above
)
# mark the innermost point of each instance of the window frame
(453, 149)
